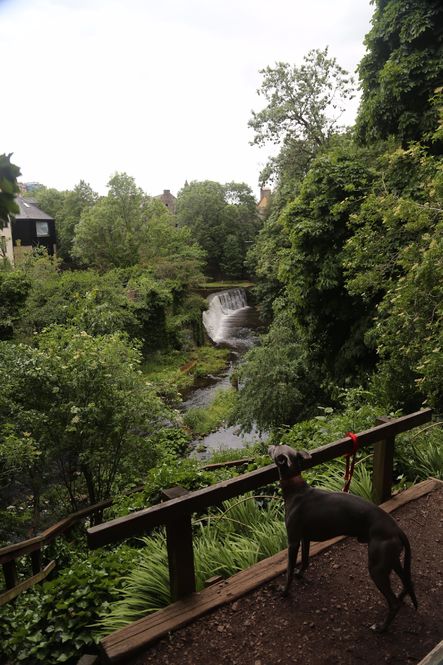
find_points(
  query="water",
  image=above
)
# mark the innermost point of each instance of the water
(230, 322)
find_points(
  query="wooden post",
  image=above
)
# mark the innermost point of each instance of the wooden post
(180, 556)
(36, 561)
(383, 467)
(10, 573)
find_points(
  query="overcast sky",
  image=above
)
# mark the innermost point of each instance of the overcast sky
(160, 89)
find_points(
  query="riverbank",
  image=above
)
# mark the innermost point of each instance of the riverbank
(175, 373)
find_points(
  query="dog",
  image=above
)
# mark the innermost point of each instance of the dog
(315, 514)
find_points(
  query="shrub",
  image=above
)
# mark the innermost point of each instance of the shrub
(51, 623)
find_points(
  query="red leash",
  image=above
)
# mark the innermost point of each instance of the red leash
(350, 463)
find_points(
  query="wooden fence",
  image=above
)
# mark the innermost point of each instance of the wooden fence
(176, 513)
(33, 546)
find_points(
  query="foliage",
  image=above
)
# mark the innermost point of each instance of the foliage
(393, 261)
(66, 208)
(277, 383)
(110, 233)
(51, 623)
(318, 225)
(170, 253)
(203, 420)
(409, 328)
(122, 300)
(304, 106)
(8, 189)
(400, 71)
(358, 412)
(419, 454)
(222, 219)
(14, 289)
(84, 405)
(169, 472)
(248, 533)
(263, 260)
(174, 372)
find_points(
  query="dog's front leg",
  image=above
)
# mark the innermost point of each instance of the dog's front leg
(292, 559)
(304, 558)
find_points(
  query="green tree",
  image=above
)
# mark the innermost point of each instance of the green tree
(84, 404)
(393, 260)
(8, 189)
(401, 70)
(279, 383)
(304, 106)
(318, 226)
(14, 289)
(408, 329)
(110, 234)
(214, 213)
(171, 253)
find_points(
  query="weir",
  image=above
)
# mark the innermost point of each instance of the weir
(224, 307)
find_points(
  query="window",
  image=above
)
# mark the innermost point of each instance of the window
(42, 229)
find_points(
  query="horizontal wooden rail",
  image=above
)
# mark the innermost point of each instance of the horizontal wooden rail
(34, 545)
(143, 520)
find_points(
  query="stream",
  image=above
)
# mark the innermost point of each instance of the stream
(230, 322)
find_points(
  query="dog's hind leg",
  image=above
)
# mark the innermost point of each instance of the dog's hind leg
(381, 560)
(380, 577)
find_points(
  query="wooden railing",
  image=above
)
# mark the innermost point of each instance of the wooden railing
(33, 546)
(176, 513)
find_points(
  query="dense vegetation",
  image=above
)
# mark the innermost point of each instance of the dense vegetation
(348, 272)
(349, 261)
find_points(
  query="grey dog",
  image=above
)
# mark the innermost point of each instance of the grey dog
(314, 514)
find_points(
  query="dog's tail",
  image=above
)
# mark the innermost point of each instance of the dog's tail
(407, 580)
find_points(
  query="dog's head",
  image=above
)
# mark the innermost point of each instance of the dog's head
(288, 460)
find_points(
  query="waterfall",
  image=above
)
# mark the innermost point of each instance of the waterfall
(223, 307)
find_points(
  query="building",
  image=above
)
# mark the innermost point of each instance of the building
(169, 200)
(29, 228)
(263, 204)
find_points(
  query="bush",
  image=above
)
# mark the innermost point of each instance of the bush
(51, 623)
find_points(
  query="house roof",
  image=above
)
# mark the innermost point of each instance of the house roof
(29, 209)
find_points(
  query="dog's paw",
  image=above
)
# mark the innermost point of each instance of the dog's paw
(378, 628)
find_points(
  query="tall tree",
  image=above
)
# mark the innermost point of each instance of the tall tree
(82, 404)
(401, 69)
(110, 233)
(222, 219)
(66, 207)
(304, 107)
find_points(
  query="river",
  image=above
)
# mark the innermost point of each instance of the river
(230, 322)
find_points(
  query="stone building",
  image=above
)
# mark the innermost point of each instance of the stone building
(265, 199)
(168, 199)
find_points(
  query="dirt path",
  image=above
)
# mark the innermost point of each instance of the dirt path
(327, 618)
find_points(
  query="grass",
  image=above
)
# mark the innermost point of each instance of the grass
(229, 540)
(226, 285)
(206, 419)
(165, 370)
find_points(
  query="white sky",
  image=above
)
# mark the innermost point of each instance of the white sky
(160, 89)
